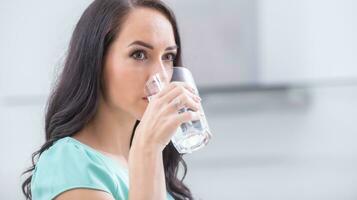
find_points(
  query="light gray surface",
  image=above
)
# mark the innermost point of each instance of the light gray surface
(266, 148)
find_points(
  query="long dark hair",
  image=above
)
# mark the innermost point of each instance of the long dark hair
(74, 98)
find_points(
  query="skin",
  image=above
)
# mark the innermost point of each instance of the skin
(127, 68)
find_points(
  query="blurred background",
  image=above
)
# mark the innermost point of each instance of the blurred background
(278, 79)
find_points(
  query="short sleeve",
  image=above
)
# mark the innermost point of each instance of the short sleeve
(66, 166)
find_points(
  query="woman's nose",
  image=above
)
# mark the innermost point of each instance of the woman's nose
(163, 70)
(158, 67)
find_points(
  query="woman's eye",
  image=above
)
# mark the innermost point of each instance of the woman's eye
(138, 55)
(170, 56)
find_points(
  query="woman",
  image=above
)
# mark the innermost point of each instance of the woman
(91, 151)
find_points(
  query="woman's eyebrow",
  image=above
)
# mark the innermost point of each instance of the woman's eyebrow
(141, 43)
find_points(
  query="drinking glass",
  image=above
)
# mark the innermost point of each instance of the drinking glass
(189, 136)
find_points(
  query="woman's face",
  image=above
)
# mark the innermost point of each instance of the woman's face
(144, 46)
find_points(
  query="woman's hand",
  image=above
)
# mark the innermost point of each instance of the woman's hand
(161, 118)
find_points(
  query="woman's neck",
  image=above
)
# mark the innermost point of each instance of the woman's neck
(109, 131)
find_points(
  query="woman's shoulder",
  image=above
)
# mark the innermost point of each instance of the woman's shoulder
(66, 151)
(67, 165)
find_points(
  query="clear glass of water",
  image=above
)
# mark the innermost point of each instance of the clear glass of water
(189, 136)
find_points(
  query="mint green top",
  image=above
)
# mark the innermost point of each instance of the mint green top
(70, 164)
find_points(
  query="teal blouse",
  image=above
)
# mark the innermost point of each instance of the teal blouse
(70, 164)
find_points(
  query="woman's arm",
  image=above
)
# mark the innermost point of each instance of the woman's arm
(146, 174)
(159, 122)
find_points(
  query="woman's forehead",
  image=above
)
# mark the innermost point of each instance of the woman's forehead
(148, 25)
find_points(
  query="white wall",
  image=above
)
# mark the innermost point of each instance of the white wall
(33, 39)
(219, 40)
(307, 40)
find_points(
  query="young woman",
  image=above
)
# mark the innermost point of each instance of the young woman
(104, 140)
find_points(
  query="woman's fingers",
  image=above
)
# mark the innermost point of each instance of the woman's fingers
(163, 113)
(177, 119)
(172, 86)
(183, 100)
(176, 91)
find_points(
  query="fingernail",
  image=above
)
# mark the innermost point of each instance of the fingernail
(198, 98)
(196, 116)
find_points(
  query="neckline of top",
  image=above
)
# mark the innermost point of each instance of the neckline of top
(98, 153)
